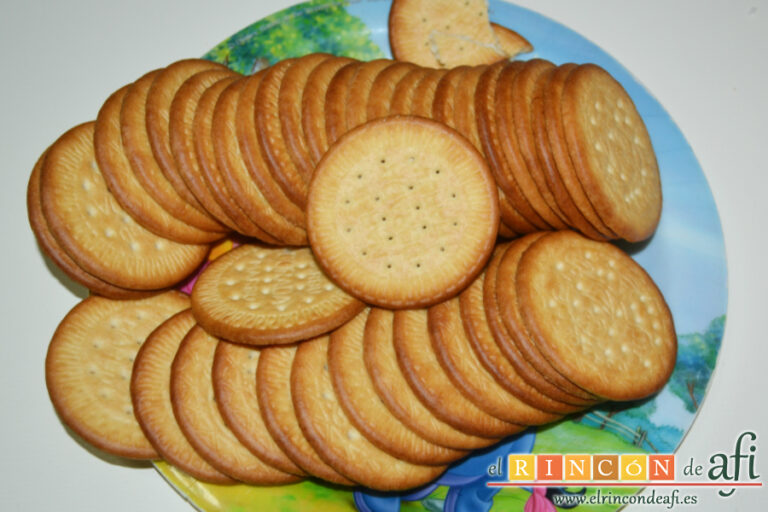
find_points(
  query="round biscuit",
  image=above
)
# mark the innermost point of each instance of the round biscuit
(379, 102)
(181, 122)
(195, 409)
(53, 250)
(432, 385)
(235, 176)
(88, 368)
(402, 212)
(502, 117)
(289, 109)
(259, 296)
(357, 396)
(335, 438)
(514, 328)
(253, 155)
(402, 95)
(90, 225)
(273, 386)
(508, 347)
(445, 92)
(465, 113)
(505, 172)
(424, 95)
(202, 135)
(270, 134)
(612, 152)
(522, 88)
(151, 398)
(313, 105)
(179, 117)
(146, 169)
(356, 112)
(597, 316)
(336, 102)
(565, 201)
(158, 103)
(458, 360)
(394, 391)
(234, 386)
(553, 121)
(490, 355)
(122, 182)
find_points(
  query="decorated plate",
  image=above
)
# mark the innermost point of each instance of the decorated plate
(685, 257)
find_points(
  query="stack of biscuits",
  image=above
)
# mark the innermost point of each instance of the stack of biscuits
(421, 265)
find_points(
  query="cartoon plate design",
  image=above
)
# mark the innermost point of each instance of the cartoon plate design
(686, 258)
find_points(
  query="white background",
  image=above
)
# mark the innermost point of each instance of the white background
(705, 61)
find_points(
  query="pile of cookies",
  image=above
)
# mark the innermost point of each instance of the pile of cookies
(368, 328)
(384, 399)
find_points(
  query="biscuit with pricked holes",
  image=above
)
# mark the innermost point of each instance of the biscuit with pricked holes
(432, 385)
(446, 33)
(273, 386)
(453, 350)
(612, 152)
(335, 438)
(357, 396)
(259, 296)
(91, 226)
(393, 389)
(195, 409)
(597, 316)
(402, 212)
(151, 398)
(88, 368)
(234, 385)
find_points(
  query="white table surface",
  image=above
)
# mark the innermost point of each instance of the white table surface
(705, 61)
